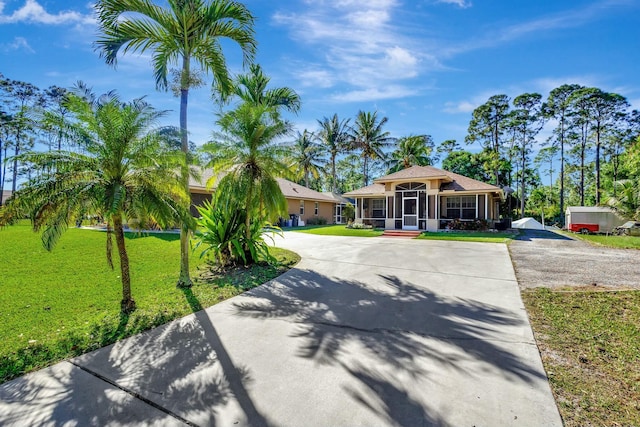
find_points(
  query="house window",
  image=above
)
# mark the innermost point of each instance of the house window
(377, 207)
(315, 210)
(301, 207)
(463, 207)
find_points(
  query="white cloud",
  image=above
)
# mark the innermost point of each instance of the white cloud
(375, 93)
(460, 3)
(570, 18)
(34, 12)
(314, 77)
(358, 45)
(459, 107)
(18, 43)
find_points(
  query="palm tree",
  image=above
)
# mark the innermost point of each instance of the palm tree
(626, 200)
(186, 31)
(307, 156)
(252, 88)
(411, 151)
(121, 173)
(333, 134)
(368, 136)
(248, 154)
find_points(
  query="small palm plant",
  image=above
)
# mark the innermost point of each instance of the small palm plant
(222, 223)
(121, 173)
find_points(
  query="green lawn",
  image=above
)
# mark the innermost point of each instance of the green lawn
(470, 236)
(336, 230)
(622, 242)
(63, 303)
(590, 346)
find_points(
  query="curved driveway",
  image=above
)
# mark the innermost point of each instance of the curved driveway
(363, 332)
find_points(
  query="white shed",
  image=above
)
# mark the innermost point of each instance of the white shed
(606, 218)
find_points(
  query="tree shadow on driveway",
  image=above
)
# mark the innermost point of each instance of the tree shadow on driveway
(384, 333)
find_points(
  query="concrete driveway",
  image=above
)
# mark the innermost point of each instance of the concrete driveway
(364, 332)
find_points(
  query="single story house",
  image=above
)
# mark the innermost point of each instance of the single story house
(306, 203)
(425, 198)
(303, 202)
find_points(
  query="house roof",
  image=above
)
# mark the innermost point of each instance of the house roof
(291, 190)
(452, 181)
(369, 190)
(338, 198)
(414, 172)
(200, 183)
(463, 183)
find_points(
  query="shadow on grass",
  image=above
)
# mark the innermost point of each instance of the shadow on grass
(75, 343)
(166, 237)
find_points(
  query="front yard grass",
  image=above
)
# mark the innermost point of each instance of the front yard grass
(470, 236)
(620, 242)
(54, 305)
(336, 230)
(590, 346)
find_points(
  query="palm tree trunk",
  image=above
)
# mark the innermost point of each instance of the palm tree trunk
(365, 178)
(597, 163)
(562, 169)
(127, 305)
(184, 281)
(334, 187)
(247, 227)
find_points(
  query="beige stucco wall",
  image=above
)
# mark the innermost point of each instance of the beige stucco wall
(325, 209)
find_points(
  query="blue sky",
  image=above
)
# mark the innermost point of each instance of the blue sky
(425, 64)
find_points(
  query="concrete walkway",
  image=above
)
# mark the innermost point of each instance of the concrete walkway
(364, 332)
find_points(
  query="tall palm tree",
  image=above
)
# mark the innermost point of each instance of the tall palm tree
(248, 154)
(334, 134)
(307, 156)
(411, 151)
(369, 137)
(252, 88)
(186, 31)
(121, 173)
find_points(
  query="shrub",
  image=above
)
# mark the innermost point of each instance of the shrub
(349, 212)
(317, 221)
(359, 226)
(223, 224)
(475, 225)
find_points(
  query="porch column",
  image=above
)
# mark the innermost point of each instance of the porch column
(476, 206)
(486, 206)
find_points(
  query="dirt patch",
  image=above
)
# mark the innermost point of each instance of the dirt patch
(547, 259)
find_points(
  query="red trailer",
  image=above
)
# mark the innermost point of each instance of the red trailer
(584, 228)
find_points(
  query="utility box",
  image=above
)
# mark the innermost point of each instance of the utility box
(592, 218)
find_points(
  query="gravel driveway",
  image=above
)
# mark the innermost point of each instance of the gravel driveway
(544, 258)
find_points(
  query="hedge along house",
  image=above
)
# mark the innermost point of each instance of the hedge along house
(425, 198)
